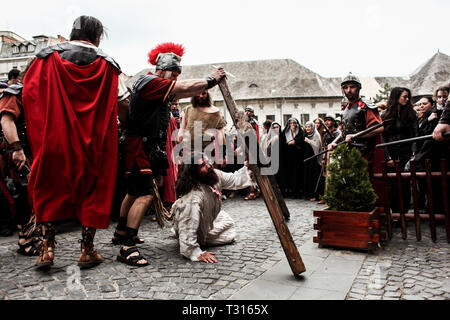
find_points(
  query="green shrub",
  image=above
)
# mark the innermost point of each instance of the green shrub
(349, 187)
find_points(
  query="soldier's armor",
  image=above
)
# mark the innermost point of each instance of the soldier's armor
(16, 90)
(354, 121)
(149, 119)
(77, 54)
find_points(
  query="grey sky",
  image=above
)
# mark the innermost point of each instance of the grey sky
(369, 38)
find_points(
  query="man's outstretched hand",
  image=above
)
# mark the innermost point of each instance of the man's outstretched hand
(439, 130)
(208, 257)
(218, 74)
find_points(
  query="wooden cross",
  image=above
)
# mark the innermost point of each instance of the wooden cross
(270, 192)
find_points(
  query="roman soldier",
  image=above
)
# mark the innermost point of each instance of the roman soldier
(146, 160)
(15, 155)
(358, 115)
(70, 98)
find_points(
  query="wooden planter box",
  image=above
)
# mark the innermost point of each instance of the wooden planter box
(348, 229)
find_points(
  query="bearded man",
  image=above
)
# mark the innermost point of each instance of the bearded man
(146, 138)
(198, 216)
(357, 116)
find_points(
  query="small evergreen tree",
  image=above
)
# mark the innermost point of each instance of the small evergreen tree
(383, 94)
(349, 187)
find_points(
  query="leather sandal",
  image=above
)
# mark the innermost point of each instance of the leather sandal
(29, 248)
(29, 233)
(44, 260)
(126, 257)
(89, 257)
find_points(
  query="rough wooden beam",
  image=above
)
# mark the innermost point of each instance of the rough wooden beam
(271, 194)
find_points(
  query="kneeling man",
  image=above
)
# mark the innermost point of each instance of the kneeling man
(198, 218)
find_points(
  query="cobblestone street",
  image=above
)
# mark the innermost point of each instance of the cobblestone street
(401, 270)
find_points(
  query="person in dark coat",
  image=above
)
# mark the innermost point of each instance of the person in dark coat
(404, 126)
(291, 147)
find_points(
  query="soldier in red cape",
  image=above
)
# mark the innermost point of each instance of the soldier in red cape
(146, 159)
(70, 100)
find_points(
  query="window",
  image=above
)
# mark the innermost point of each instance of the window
(304, 118)
(23, 48)
(15, 49)
(253, 85)
(286, 118)
(30, 48)
(270, 117)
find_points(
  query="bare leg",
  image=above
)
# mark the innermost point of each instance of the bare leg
(137, 211)
(125, 207)
(135, 215)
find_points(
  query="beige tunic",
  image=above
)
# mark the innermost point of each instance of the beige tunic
(198, 218)
(208, 122)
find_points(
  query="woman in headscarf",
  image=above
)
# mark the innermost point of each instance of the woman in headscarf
(291, 148)
(311, 168)
(320, 127)
(273, 150)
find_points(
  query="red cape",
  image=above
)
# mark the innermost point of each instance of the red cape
(170, 194)
(71, 119)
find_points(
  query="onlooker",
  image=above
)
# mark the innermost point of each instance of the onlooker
(320, 128)
(404, 126)
(265, 134)
(440, 96)
(292, 142)
(312, 168)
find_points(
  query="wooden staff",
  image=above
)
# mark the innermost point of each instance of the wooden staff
(272, 197)
(355, 137)
(410, 140)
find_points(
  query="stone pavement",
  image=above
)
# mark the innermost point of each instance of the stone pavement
(401, 270)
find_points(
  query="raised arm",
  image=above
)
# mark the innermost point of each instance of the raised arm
(191, 87)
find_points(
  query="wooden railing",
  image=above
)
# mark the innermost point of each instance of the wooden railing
(404, 215)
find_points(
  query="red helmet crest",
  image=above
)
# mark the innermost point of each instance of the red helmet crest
(168, 47)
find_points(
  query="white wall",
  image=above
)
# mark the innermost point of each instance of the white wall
(294, 108)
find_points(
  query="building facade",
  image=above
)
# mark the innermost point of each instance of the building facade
(16, 52)
(282, 88)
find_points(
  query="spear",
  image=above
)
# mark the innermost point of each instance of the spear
(356, 136)
(410, 140)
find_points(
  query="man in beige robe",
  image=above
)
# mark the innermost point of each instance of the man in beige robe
(198, 216)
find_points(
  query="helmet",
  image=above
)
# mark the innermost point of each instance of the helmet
(167, 56)
(249, 108)
(351, 78)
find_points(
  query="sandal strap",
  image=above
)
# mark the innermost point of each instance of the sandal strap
(118, 235)
(33, 247)
(127, 254)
